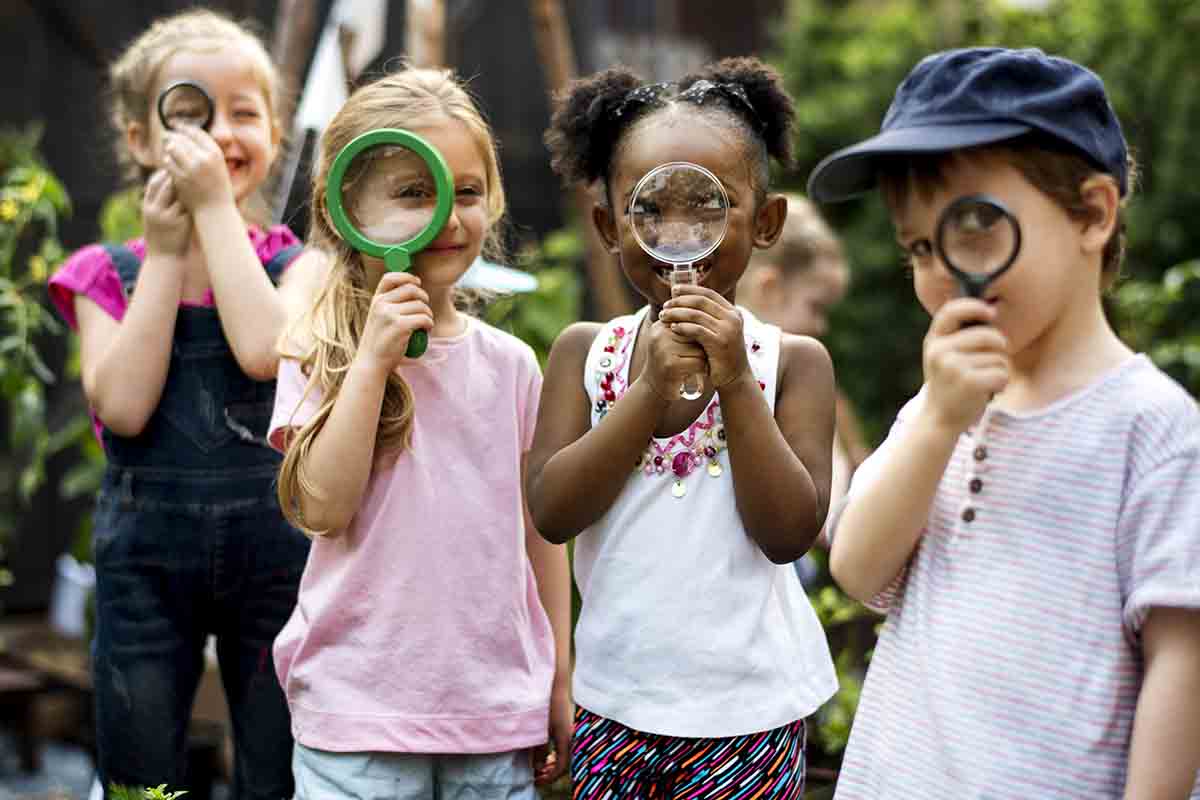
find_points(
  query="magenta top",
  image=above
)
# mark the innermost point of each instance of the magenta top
(90, 272)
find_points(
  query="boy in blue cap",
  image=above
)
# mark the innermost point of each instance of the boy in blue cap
(1031, 525)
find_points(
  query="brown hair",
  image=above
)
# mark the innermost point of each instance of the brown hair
(132, 77)
(1052, 167)
(324, 340)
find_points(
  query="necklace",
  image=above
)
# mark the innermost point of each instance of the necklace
(682, 454)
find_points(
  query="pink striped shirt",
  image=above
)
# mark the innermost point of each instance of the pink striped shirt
(1010, 662)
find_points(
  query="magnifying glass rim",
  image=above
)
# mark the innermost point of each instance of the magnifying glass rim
(973, 283)
(162, 96)
(444, 187)
(637, 189)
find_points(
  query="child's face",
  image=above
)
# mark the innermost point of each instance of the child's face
(398, 188)
(807, 297)
(1050, 279)
(674, 135)
(242, 124)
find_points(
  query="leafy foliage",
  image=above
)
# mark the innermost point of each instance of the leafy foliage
(32, 201)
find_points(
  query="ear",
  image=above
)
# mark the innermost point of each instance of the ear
(137, 138)
(768, 221)
(606, 225)
(1103, 200)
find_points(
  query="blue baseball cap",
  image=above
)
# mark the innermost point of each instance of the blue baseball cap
(978, 96)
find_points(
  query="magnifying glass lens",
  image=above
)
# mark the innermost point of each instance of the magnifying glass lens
(679, 212)
(389, 193)
(185, 105)
(979, 237)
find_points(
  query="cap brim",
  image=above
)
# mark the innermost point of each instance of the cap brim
(853, 170)
(497, 278)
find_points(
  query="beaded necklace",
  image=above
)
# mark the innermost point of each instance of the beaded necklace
(679, 455)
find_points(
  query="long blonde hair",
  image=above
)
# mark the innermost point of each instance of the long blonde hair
(133, 75)
(325, 339)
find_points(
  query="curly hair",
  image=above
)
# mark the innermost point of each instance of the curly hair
(593, 115)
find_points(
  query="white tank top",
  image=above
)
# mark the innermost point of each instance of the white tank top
(687, 629)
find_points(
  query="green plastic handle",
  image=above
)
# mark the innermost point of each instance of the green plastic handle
(396, 257)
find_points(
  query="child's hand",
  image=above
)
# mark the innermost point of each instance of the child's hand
(670, 359)
(168, 226)
(400, 306)
(964, 366)
(701, 315)
(197, 166)
(551, 764)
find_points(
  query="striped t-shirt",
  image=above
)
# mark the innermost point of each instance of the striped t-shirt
(1010, 662)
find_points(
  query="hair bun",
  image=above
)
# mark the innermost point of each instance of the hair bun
(764, 88)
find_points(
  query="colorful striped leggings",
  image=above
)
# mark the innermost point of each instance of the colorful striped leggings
(610, 761)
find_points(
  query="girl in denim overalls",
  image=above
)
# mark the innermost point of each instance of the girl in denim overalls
(178, 347)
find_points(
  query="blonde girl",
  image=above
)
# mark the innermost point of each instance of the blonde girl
(428, 652)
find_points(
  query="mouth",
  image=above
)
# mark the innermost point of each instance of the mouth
(235, 164)
(701, 268)
(445, 248)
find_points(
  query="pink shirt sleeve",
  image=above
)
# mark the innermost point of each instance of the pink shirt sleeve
(293, 407)
(88, 272)
(269, 242)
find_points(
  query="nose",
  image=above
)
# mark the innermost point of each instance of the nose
(220, 129)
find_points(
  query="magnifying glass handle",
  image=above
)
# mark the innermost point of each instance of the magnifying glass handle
(693, 385)
(417, 344)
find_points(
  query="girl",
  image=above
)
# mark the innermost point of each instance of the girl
(698, 654)
(429, 650)
(177, 334)
(1039, 560)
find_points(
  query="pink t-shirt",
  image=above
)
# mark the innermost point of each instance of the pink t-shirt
(90, 272)
(419, 628)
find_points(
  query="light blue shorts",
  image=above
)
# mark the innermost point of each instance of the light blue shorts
(323, 775)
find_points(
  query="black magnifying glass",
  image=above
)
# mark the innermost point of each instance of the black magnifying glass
(389, 194)
(978, 239)
(185, 103)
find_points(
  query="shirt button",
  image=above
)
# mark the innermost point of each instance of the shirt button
(980, 453)
(968, 515)
(976, 485)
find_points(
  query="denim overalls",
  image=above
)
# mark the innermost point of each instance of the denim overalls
(189, 540)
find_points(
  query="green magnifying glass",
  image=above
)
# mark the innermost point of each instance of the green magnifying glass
(389, 194)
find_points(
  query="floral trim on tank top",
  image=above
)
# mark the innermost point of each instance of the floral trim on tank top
(682, 453)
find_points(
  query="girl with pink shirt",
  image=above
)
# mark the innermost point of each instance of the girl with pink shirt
(428, 653)
(178, 337)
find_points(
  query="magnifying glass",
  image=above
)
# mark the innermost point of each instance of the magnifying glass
(389, 194)
(185, 103)
(978, 239)
(679, 212)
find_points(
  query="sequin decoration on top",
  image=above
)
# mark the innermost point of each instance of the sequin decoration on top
(678, 456)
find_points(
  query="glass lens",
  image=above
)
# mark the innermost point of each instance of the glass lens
(679, 212)
(389, 194)
(185, 104)
(978, 236)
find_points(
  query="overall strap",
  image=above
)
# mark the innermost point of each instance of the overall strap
(276, 264)
(127, 264)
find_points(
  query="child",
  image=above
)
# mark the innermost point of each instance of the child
(178, 333)
(698, 655)
(429, 651)
(793, 285)
(1040, 562)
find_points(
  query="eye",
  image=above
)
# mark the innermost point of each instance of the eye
(246, 113)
